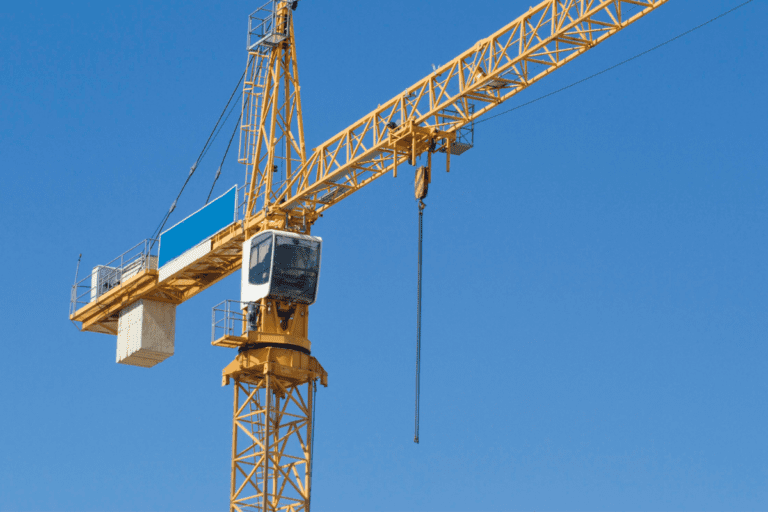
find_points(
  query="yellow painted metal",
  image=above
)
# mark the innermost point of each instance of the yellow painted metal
(279, 323)
(272, 429)
(272, 131)
(273, 420)
(273, 413)
(495, 69)
(542, 40)
(224, 259)
(253, 365)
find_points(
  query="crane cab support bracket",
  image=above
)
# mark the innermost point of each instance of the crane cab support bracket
(285, 315)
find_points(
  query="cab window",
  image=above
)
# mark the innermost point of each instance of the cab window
(261, 259)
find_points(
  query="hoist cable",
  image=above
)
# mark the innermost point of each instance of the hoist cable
(615, 65)
(418, 322)
(312, 438)
(197, 162)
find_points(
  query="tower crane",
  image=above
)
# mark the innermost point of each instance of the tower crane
(266, 231)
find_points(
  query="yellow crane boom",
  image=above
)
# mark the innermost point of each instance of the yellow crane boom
(544, 39)
(496, 68)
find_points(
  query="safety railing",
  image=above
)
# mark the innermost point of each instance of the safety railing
(228, 319)
(465, 136)
(267, 27)
(104, 278)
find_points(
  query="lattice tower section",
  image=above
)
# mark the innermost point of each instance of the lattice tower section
(272, 130)
(272, 444)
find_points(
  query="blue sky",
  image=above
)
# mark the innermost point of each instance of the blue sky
(594, 283)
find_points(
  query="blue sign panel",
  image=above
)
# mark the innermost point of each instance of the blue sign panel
(202, 224)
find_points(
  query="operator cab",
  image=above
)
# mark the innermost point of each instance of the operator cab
(282, 266)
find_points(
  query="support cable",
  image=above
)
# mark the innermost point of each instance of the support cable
(73, 296)
(418, 322)
(221, 127)
(200, 157)
(218, 172)
(615, 65)
(209, 141)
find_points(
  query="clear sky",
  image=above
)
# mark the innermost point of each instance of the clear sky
(594, 284)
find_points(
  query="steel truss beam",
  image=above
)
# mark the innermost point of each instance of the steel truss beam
(544, 39)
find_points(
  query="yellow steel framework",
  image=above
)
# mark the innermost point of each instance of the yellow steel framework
(496, 68)
(274, 376)
(272, 132)
(544, 39)
(272, 429)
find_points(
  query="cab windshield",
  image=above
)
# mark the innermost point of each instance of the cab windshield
(296, 269)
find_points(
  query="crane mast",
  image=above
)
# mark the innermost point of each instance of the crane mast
(274, 376)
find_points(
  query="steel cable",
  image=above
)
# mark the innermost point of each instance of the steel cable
(203, 151)
(312, 441)
(219, 130)
(418, 322)
(218, 172)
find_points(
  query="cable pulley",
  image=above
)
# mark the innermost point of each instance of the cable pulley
(421, 183)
